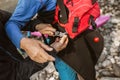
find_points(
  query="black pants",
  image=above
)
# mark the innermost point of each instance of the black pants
(12, 65)
(17, 70)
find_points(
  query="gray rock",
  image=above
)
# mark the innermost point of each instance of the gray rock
(116, 69)
(106, 63)
(109, 78)
(106, 73)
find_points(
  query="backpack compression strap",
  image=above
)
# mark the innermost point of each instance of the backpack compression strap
(63, 13)
(93, 1)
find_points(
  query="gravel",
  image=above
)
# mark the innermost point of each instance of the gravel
(108, 66)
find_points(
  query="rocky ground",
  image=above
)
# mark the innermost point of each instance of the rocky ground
(8, 5)
(108, 66)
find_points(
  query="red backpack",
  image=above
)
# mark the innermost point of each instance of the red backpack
(74, 15)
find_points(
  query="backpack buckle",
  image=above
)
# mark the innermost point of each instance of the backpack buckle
(75, 24)
(93, 22)
(60, 34)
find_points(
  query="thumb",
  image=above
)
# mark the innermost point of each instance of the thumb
(63, 39)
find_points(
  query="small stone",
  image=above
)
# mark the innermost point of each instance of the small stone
(112, 60)
(116, 69)
(106, 63)
(106, 73)
(52, 78)
(109, 78)
(102, 57)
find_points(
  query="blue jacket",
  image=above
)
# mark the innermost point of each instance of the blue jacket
(24, 11)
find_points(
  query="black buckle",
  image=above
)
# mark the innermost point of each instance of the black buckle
(75, 24)
(60, 34)
(93, 22)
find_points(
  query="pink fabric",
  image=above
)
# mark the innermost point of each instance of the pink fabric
(36, 34)
(100, 21)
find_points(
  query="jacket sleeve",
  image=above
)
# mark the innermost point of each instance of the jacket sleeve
(43, 17)
(24, 11)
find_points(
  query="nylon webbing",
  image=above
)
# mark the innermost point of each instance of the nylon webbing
(93, 1)
(63, 13)
(94, 26)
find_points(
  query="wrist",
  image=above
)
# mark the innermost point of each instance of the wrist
(23, 42)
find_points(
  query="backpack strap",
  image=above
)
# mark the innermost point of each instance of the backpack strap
(63, 13)
(92, 22)
(75, 24)
(93, 1)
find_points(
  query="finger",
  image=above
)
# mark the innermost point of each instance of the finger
(42, 26)
(48, 57)
(53, 29)
(63, 39)
(40, 60)
(44, 46)
(38, 55)
(50, 28)
(65, 43)
(45, 55)
(50, 33)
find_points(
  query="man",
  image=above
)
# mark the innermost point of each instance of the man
(12, 65)
(24, 11)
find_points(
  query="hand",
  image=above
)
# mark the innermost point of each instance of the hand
(45, 29)
(36, 50)
(60, 43)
